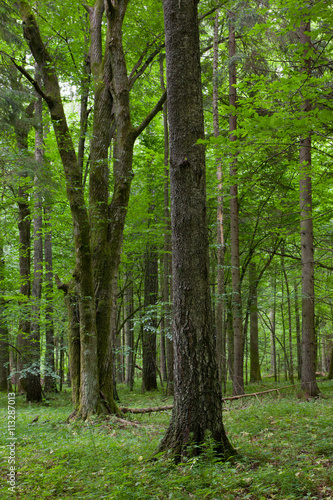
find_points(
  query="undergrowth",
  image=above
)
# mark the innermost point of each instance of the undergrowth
(285, 448)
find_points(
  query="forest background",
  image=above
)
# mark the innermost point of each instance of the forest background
(268, 65)
(85, 209)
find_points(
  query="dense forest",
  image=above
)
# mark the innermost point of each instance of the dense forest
(166, 222)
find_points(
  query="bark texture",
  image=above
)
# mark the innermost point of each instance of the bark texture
(238, 374)
(255, 375)
(198, 400)
(308, 372)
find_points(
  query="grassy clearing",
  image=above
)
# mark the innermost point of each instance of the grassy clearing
(285, 446)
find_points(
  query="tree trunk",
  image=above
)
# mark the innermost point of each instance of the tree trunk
(167, 249)
(33, 382)
(220, 332)
(197, 409)
(129, 335)
(5, 383)
(255, 375)
(308, 379)
(238, 378)
(291, 364)
(298, 334)
(272, 312)
(149, 381)
(49, 378)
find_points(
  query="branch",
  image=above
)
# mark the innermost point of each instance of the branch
(134, 76)
(146, 410)
(158, 107)
(27, 75)
(169, 407)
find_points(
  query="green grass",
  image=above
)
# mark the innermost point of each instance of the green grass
(285, 446)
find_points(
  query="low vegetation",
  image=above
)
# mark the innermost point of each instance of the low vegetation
(285, 447)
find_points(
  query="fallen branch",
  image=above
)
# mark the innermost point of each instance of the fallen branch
(231, 398)
(256, 394)
(146, 410)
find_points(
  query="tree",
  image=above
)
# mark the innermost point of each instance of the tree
(308, 373)
(98, 231)
(197, 409)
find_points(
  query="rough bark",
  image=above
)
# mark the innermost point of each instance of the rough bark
(197, 408)
(308, 374)
(220, 327)
(99, 193)
(255, 375)
(238, 375)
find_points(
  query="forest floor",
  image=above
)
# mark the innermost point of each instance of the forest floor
(285, 448)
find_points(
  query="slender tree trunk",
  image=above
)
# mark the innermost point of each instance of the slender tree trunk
(5, 382)
(220, 333)
(33, 383)
(163, 366)
(330, 373)
(129, 335)
(197, 406)
(308, 379)
(238, 378)
(298, 334)
(49, 379)
(291, 364)
(255, 375)
(272, 312)
(167, 289)
(149, 381)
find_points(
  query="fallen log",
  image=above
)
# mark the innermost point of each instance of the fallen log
(146, 410)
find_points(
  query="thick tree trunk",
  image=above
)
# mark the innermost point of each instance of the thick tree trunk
(238, 377)
(255, 375)
(308, 378)
(197, 409)
(98, 196)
